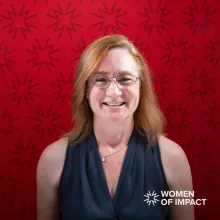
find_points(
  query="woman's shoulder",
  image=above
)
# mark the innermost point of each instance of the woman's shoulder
(175, 163)
(56, 150)
(52, 159)
(169, 147)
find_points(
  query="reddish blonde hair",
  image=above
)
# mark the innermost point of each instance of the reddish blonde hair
(149, 121)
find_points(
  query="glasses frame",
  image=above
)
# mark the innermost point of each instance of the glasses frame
(110, 79)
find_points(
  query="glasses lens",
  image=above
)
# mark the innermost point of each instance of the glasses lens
(126, 80)
(103, 80)
(99, 80)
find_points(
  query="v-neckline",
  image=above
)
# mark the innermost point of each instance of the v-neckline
(125, 165)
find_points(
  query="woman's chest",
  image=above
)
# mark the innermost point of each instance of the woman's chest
(112, 168)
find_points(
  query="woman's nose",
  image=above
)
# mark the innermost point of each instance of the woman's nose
(113, 88)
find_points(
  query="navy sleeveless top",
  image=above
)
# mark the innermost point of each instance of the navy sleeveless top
(83, 191)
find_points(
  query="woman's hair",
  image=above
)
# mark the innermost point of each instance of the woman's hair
(149, 121)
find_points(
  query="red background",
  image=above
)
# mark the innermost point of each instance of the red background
(40, 42)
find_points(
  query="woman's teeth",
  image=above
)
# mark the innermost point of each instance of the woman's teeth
(108, 104)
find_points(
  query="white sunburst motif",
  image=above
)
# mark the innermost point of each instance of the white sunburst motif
(151, 198)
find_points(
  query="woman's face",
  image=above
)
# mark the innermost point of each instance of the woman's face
(117, 61)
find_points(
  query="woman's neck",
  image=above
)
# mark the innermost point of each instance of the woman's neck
(113, 134)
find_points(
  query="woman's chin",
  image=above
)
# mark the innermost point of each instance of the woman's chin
(115, 118)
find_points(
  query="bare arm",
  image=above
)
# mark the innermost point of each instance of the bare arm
(178, 175)
(48, 174)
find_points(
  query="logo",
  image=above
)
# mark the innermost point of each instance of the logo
(151, 198)
(175, 197)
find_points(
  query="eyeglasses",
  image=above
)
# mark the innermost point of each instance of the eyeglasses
(104, 80)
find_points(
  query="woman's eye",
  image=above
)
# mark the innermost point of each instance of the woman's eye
(124, 79)
(101, 79)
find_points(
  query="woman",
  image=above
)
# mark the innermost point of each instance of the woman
(117, 152)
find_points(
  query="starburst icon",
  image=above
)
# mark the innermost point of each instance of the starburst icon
(110, 19)
(155, 18)
(199, 16)
(198, 85)
(178, 113)
(177, 52)
(64, 19)
(43, 55)
(18, 20)
(151, 198)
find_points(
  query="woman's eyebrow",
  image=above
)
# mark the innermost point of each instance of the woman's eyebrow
(120, 72)
(101, 72)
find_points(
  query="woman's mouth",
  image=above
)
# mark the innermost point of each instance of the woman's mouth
(114, 104)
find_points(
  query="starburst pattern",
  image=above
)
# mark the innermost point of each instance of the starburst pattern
(5, 61)
(214, 55)
(63, 88)
(155, 18)
(27, 211)
(78, 49)
(178, 116)
(110, 19)
(199, 17)
(9, 192)
(213, 116)
(202, 213)
(177, 52)
(84, 1)
(161, 84)
(198, 146)
(132, 0)
(46, 121)
(213, 178)
(35, 1)
(43, 55)
(141, 45)
(18, 21)
(22, 89)
(151, 198)
(64, 20)
(7, 123)
(198, 86)
(80, 46)
(24, 155)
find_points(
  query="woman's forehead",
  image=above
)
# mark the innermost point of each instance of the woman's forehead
(120, 72)
(118, 60)
(117, 56)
